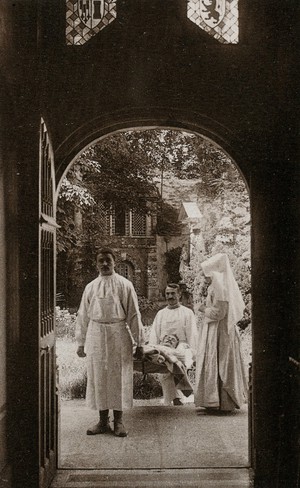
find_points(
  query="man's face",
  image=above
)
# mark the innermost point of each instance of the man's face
(170, 340)
(105, 264)
(172, 296)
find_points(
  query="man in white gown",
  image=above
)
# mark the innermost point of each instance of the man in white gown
(174, 319)
(108, 307)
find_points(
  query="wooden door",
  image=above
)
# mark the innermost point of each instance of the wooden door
(47, 360)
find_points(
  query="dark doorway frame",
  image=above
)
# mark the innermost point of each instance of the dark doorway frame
(132, 119)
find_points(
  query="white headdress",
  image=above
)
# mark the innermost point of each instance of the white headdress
(225, 286)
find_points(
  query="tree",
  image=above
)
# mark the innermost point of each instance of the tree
(132, 168)
(225, 228)
(172, 265)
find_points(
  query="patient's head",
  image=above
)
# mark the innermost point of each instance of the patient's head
(170, 340)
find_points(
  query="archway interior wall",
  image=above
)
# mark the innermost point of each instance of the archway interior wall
(84, 137)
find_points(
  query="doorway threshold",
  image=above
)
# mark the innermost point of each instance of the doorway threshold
(154, 478)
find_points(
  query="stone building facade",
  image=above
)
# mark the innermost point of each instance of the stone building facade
(132, 236)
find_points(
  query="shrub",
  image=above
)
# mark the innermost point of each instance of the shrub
(65, 324)
(148, 310)
(146, 386)
(246, 345)
(71, 370)
(192, 375)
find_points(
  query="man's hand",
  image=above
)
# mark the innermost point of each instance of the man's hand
(139, 353)
(80, 352)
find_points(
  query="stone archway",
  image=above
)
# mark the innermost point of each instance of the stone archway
(156, 117)
(68, 151)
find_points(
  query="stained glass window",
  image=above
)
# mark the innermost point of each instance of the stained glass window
(85, 18)
(219, 18)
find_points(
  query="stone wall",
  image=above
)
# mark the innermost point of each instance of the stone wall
(141, 253)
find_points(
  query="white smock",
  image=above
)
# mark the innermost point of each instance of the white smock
(108, 304)
(180, 321)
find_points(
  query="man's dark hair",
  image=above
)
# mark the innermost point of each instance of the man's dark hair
(106, 250)
(173, 285)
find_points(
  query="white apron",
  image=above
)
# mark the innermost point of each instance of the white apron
(109, 356)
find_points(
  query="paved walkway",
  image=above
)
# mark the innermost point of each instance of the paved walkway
(160, 437)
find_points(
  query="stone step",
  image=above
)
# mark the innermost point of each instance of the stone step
(175, 478)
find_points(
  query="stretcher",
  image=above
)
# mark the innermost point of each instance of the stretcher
(149, 365)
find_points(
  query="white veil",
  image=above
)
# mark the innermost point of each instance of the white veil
(225, 286)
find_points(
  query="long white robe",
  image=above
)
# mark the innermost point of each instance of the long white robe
(220, 373)
(180, 321)
(108, 304)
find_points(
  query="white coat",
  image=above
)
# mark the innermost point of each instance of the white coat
(108, 304)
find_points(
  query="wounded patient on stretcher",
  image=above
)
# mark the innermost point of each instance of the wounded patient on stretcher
(170, 349)
(168, 357)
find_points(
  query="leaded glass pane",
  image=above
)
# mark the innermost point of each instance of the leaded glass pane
(85, 18)
(219, 18)
(46, 173)
(112, 222)
(103, 218)
(119, 221)
(138, 224)
(123, 270)
(126, 269)
(127, 223)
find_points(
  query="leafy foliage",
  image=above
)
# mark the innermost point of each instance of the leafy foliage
(146, 386)
(65, 324)
(167, 221)
(130, 168)
(225, 228)
(172, 264)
